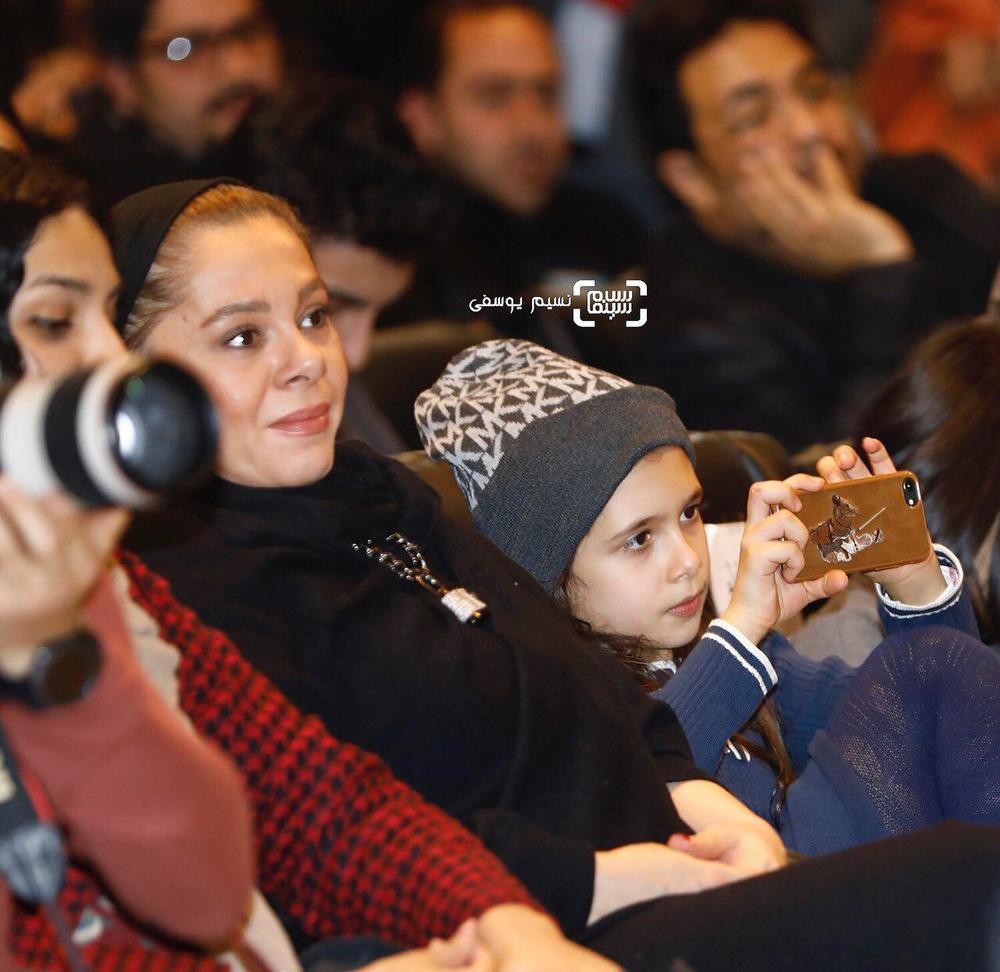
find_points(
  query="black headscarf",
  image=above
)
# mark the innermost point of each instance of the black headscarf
(139, 224)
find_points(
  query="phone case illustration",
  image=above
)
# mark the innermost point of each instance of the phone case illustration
(838, 539)
(863, 524)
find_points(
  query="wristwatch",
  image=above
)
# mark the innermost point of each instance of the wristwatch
(62, 671)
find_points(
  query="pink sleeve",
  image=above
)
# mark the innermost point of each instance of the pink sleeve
(158, 811)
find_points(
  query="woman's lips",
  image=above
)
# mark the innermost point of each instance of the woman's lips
(688, 608)
(306, 421)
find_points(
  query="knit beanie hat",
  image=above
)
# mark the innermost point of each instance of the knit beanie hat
(538, 444)
(137, 227)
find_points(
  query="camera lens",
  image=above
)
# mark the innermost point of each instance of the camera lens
(164, 428)
(911, 492)
(127, 432)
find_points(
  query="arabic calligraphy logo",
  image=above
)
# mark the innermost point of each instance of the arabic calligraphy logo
(609, 304)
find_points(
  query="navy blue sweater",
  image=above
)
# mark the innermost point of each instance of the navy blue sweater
(723, 682)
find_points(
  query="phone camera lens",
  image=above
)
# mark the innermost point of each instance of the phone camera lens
(911, 494)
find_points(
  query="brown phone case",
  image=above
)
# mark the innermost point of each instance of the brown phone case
(863, 524)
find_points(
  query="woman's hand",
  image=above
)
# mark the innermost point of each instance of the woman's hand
(771, 556)
(750, 850)
(725, 829)
(914, 584)
(461, 951)
(640, 872)
(521, 939)
(52, 553)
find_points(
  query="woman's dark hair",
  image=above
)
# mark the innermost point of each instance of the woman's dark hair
(31, 190)
(939, 416)
(664, 33)
(638, 654)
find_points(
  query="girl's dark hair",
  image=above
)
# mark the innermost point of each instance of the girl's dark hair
(638, 655)
(939, 416)
(31, 190)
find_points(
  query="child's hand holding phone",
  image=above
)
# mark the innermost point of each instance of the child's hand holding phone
(772, 556)
(900, 537)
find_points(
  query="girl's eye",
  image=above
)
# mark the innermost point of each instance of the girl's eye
(316, 319)
(691, 513)
(52, 328)
(244, 338)
(639, 541)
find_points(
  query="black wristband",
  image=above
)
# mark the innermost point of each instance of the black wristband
(62, 671)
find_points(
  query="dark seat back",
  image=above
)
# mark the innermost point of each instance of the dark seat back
(406, 360)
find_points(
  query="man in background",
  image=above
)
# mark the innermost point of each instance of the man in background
(798, 272)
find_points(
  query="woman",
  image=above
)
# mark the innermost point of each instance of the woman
(336, 835)
(346, 585)
(631, 563)
(152, 812)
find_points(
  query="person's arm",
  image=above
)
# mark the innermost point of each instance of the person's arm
(343, 847)
(952, 608)
(808, 693)
(160, 814)
(724, 829)
(717, 689)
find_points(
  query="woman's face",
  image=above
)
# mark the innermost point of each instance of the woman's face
(61, 315)
(643, 567)
(254, 326)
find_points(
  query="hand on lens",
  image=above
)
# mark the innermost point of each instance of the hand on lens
(51, 555)
(818, 224)
(771, 556)
(914, 584)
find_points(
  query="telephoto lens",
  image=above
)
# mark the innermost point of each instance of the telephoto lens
(127, 432)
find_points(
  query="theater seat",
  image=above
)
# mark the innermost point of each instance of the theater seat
(727, 463)
(406, 360)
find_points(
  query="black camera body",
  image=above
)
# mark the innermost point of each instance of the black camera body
(127, 432)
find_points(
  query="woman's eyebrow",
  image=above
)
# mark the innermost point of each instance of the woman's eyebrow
(55, 280)
(240, 307)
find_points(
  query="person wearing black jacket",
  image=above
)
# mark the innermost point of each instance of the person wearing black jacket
(349, 586)
(179, 78)
(797, 274)
(482, 103)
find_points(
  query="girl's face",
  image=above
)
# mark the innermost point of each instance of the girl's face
(254, 326)
(61, 315)
(643, 567)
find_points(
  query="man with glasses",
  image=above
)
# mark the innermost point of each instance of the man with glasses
(180, 76)
(798, 271)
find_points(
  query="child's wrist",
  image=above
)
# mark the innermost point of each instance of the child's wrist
(922, 587)
(745, 622)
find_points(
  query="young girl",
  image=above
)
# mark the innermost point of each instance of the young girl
(588, 482)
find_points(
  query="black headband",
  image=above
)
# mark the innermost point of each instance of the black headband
(139, 224)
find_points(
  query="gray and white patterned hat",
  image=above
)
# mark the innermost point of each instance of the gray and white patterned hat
(538, 444)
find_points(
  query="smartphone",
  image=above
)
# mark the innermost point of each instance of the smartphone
(864, 524)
